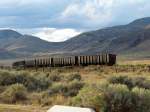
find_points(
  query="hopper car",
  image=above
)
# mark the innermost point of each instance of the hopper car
(84, 60)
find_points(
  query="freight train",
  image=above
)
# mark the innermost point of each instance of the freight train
(101, 59)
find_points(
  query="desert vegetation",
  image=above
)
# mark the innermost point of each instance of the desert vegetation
(117, 88)
(23, 86)
(116, 94)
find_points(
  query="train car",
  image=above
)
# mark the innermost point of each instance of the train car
(112, 59)
(30, 63)
(83, 60)
(102, 59)
(19, 64)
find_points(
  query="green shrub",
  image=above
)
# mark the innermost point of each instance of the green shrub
(73, 88)
(131, 82)
(14, 93)
(146, 84)
(31, 82)
(121, 80)
(107, 97)
(55, 77)
(88, 97)
(66, 89)
(38, 83)
(35, 81)
(2, 89)
(138, 90)
(117, 98)
(74, 76)
(21, 77)
(58, 88)
(141, 82)
(141, 100)
(43, 83)
(6, 78)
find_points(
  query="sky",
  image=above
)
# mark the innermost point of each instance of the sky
(59, 20)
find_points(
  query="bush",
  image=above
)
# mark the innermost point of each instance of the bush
(55, 77)
(131, 82)
(141, 82)
(58, 88)
(88, 97)
(74, 76)
(43, 83)
(38, 83)
(106, 97)
(73, 88)
(138, 94)
(117, 98)
(14, 93)
(6, 78)
(2, 89)
(121, 80)
(66, 89)
(141, 100)
(31, 82)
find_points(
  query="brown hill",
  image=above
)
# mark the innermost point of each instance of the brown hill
(130, 39)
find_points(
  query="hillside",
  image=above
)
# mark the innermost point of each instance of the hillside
(15, 45)
(132, 39)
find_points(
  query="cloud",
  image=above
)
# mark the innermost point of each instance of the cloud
(30, 13)
(11, 3)
(75, 14)
(68, 17)
(91, 9)
(90, 14)
(48, 34)
(56, 35)
(102, 13)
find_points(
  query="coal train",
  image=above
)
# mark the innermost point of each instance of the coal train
(101, 59)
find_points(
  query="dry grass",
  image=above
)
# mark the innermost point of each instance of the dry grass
(133, 62)
(90, 75)
(20, 108)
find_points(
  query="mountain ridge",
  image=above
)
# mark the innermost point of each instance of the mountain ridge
(133, 38)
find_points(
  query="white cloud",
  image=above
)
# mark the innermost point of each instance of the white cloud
(102, 13)
(75, 14)
(92, 12)
(66, 17)
(48, 34)
(13, 3)
(56, 35)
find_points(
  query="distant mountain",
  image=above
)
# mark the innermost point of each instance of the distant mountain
(13, 45)
(130, 39)
(7, 37)
(6, 54)
(133, 38)
(30, 44)
(6, 34)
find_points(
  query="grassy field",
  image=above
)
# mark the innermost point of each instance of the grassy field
(134, 62)
(71, 87)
